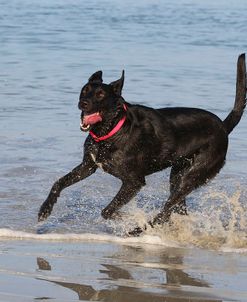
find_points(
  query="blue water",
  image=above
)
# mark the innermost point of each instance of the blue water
(174, 54)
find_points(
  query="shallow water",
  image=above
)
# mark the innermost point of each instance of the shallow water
(174, 54)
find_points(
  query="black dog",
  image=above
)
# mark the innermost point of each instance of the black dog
(132, 141)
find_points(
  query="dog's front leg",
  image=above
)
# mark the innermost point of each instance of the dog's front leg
(85, 169)
(127, 191)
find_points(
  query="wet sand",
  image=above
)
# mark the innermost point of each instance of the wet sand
(104, 271)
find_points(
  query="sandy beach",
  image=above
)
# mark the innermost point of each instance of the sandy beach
(99, 269)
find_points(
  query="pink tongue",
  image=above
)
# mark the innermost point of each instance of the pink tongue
(92, 119)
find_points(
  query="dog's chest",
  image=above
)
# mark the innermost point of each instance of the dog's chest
(94, 158)
(99, 157)
(105, 159)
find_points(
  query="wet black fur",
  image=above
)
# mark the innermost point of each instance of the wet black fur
(193, 142)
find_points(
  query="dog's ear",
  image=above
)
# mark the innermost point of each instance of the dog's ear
(96, 78)
(118, 85)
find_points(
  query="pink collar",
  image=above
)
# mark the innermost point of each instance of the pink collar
(112, 132)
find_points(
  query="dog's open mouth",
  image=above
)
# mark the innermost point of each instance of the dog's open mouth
(89, 120)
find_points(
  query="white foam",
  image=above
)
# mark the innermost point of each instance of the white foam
(233, 250)
(145, 239)
(150, 241)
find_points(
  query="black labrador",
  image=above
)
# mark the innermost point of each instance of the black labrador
(132, 141)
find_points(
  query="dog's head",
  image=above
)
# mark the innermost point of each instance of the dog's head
(98, 99)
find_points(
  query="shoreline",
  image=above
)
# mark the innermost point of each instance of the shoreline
(147, 239)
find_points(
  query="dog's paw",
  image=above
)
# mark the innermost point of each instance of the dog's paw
(107, 213)
(160, 219)
(45, 211)
(136, 232)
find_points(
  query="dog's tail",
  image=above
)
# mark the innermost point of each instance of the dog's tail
(235, 115)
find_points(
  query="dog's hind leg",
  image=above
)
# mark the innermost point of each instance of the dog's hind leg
(175, 177)
(194, 172)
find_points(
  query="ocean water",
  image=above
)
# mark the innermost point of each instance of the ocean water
(174, 54)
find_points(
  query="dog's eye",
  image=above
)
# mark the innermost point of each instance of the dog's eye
(86, 90)
(100, 94)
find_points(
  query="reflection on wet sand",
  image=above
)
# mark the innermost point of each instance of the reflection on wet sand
(121, 286)
(43, 264)
(178, 277)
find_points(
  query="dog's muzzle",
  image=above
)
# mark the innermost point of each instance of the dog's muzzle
(88, 120)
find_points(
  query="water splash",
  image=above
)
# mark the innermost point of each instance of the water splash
(219, 222)
(221, 227)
